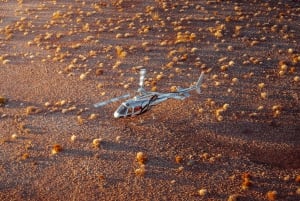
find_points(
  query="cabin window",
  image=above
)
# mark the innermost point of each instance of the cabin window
(130, 110)
(137, 109)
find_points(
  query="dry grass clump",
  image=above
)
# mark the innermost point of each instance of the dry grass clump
(56, 149)
(121, 53)
(25, 156)
(246, 177)
(204, 156)
(219, 112)
(154, 89)
(298, 191)
(141, 171)
(202, 192)
(97, 142)
(73, 138)
(185, 37)
(80, 120)
(180, 169)
(218, 30)
(144, 29)
(83, 76)
(276, 110)
(261, 85)
(47, 104)
(57, 15)
(118, 138)
(159, 76)
(264, 95)
(117, 64)
(4, 140)
(297, 179)
(282, 68)
(271, 195)
(234, 80)
(61, 103)
(211, 158)
(141, 158)
(295, 59)
(93, 116)
(230, 48)
(155, 16)
(3, 100)
(6, 61)
(173, 89)
(14, 136)
(32, 110)
(29, 145)
(99, 71)
(233, 197)
(178, 159)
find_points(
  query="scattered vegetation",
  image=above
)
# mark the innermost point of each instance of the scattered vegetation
(3, 100)
(30, 110)
(141, 158)
(246, 178)
(271, 195)
(56, 149)
(97, 142)
(246, 50)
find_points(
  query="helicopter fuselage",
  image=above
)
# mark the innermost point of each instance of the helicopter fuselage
(144, 100)
(142, 103)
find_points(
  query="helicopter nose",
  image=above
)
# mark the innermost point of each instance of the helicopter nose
(116, 114)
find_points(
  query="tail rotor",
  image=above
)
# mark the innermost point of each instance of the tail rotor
(199, 82)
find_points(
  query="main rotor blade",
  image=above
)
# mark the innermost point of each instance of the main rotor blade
(100, 104)
(142, 77)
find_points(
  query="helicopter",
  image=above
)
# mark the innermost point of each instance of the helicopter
(144, 100)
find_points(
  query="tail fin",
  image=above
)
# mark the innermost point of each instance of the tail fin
(198, 85)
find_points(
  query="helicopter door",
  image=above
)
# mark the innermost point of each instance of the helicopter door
(129, 111)
(137, 109)
(134, 110)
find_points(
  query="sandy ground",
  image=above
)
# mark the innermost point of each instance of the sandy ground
(238, 140)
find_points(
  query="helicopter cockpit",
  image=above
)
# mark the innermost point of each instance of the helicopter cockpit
(126, 109)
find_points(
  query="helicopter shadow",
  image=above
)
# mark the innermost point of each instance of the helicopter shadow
(119, 146)
(161, 162)
(18, 104)
(78, 153)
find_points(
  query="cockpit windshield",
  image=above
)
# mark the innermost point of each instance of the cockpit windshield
(122, 110)
(125, 109)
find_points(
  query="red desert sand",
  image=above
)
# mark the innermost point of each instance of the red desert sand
(238, 140)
